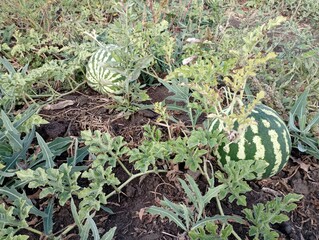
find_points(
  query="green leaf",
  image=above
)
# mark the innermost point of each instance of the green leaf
(166, 213)
(48, 221)
(11, 133)
(84, 234)
(79, 156)
(75, 215)
(59, 145)
(223, 219)
(109, 234)
(61, 182)
(32, 109)
(179, 88)
(262, 215)
(237, 173)
(7, 65)
(6, 216)
(314, 121)
(13, 195)
(195, 195)
(189, 192)
(47, 154)
(299, 111)
(7, 123)
(104, 147)
(210, 231)
(6, 174)
(211, 193)
(197, 138)
(20, 155)
(93, 228)
(14, 140)
(107, 210)
(5, 150)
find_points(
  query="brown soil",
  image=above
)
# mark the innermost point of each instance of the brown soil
(301, 175)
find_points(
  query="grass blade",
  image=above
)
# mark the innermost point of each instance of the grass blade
(7, 65)
(109, 234)
(223, 219)
(299, 111)
(13, 194)
(314, 121)
(211, 193)
(48, 220)
(93, 228)
(47, 154)
(75, 215)
(166, 213)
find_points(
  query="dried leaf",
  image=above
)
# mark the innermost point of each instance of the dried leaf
(59, 105)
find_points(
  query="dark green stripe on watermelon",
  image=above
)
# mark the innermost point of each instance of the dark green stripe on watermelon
(268, 139)
(100, 76)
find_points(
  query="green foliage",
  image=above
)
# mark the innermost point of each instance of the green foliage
(61, 182)
(13, 218)
(93, 196)
(210, 231)
(304, 139)
(187, 217)
(306, 10)
(270, 213)
(84, 229)
(140, 39)
(150, 150)
(233, 68)
(25, 84)
(237, 173)
(209, 65)
(16, 137)
(34, 120)
(14, 147)
(13, 195)
(131, 101)
(191, 156)
(191, 150)
(105, 148)
(199, 226)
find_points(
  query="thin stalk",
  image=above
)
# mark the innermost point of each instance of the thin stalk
(132, 178)
(219, 206)
(168, 130)
(68, 229)
(205, 173)
(34, 231)
(123, 167)
(59, 96)
(236, 235)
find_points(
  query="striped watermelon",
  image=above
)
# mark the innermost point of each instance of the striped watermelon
(100, 76)
(268, 139)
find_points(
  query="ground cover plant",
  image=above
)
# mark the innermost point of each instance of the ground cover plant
(159, 119)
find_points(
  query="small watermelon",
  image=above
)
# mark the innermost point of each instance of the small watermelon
(100, 75)
(268, 140)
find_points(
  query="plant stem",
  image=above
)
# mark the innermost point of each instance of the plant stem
(34, 231)
(123, 167)
(68, 229)
(236, 235)
(132, 178)
(219, 206)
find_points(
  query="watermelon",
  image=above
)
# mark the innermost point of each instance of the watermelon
(268, 140)
(100, 75)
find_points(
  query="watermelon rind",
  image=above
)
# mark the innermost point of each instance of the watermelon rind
(100, 76)
(268, 139)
